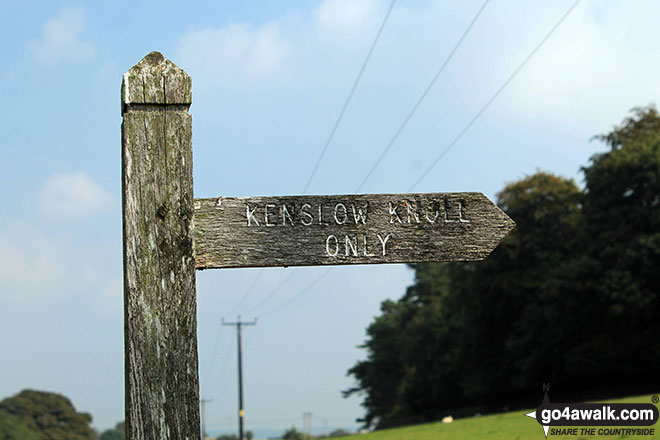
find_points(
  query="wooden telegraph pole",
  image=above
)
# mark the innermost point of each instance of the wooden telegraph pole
(239, 353)
(162, 251)
(160, 323)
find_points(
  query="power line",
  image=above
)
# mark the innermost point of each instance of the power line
(221, 393)
(333, 130)
(422, 97)
(314, 170)
(230, 378)
(414, 109)
(298, 295)
(309, 180)
(389, 145)
(247, 292)
(223, 365)
(270, 295)
(213, 355)
(465, 129)
(495, 95)
(217, 334)
(348, 99)
(397, 134)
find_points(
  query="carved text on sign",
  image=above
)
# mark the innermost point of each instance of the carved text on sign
(349, 229)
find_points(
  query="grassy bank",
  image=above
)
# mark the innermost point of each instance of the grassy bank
(506, 426)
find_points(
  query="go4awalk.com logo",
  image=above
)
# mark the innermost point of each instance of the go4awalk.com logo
(616, 419)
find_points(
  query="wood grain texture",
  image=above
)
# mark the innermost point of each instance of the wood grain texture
(156, 80)
(162, 390)
(348, 229)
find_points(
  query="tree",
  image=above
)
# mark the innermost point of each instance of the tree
(459, 336)
(11, 428)
(510, 301)
(293, 434)
(406, 377)
(622, 214)
(339, 432)
(117, 433)
(570, 297)
(642, 126)
(49, 415)
(379, 375)
(248, 434)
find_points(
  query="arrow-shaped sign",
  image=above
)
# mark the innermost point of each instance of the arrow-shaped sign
(348, 229)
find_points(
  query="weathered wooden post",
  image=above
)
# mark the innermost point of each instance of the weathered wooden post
(162, 386)
(160, 257)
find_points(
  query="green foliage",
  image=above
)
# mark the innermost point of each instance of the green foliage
(117, 433)
(437, 347)
(111, 434)
(508, 302)
(406, 358)
(622, 214)
(50, 416)
(293, 434)
(643, 125)
(339, 432)
(571, 297)
(249, 435)
(11, 428)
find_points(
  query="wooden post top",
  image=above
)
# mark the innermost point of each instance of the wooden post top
(156, 80)
(160, 308)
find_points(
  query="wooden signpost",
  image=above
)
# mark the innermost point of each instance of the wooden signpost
(350, 229)
(168, 235)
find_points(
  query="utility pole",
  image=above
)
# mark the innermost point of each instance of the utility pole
(204, 402)
(307, 424)
(241, 412)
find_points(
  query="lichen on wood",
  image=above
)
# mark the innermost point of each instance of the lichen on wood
(346, 229)
(162, 387)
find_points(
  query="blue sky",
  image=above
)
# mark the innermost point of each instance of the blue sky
(268, 82)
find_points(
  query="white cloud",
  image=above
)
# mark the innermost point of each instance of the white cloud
(36, 265)
(62, 40)
(594, 69)
(346, 16)
(588, 66)
(72, 196)
(239, 53)
(29, 260)
(235, 49)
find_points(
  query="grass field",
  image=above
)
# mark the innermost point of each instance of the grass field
(509, 426)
